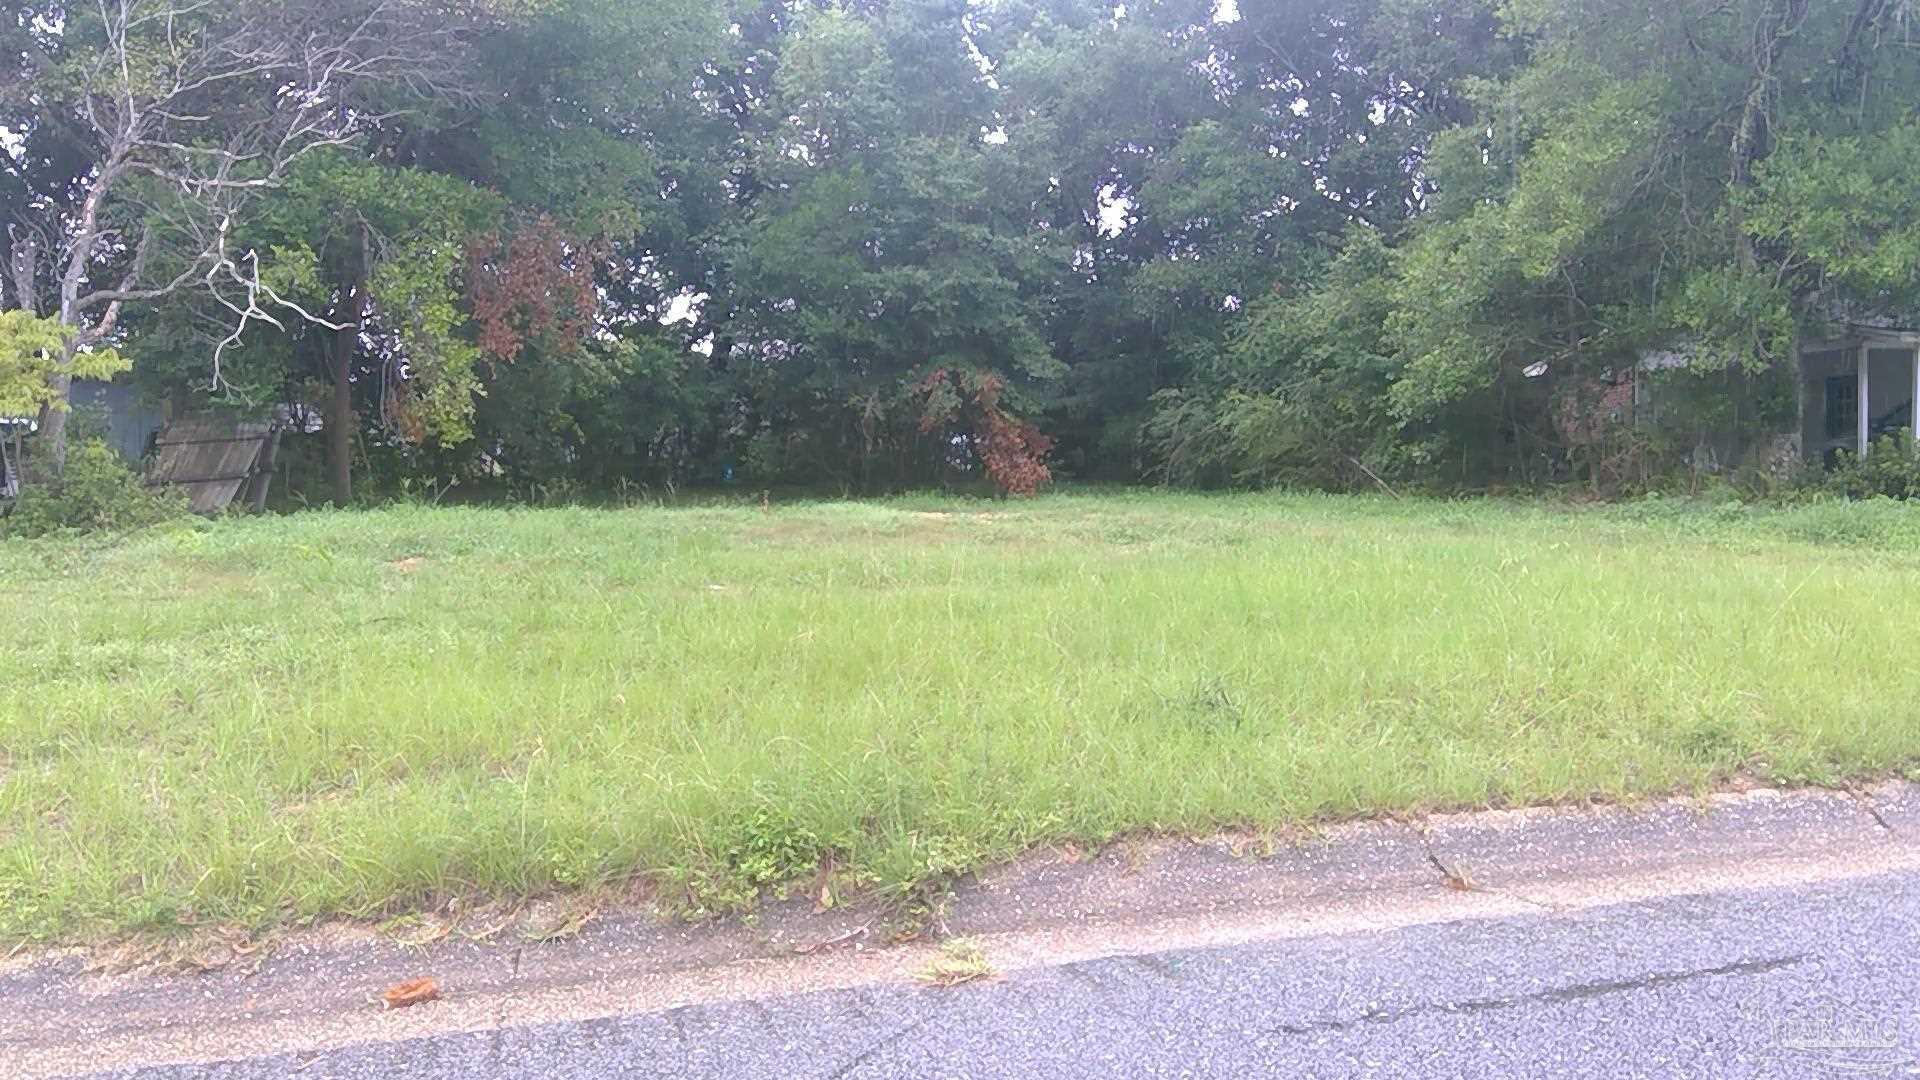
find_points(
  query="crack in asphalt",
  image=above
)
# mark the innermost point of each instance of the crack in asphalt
(494, 1043)
(676, 1018)
(1576, 992)
(1162, 966)
(870, 1052)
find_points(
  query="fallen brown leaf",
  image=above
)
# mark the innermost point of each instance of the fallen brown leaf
(411, 992)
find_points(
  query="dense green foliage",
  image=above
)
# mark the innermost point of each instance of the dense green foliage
(1891, 469)
(97, 492)
(605, 244)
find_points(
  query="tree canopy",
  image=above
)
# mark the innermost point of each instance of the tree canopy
(867, 244)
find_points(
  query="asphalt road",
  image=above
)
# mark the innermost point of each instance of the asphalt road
(1819, 980)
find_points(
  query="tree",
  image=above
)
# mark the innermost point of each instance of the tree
(384, 254)
(1607, 200)
(1588, 198)
(178, 114)
(589, 241)
(479, 232)
(34, 363)
(889, 241)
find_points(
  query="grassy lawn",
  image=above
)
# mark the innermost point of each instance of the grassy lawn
(269, 719)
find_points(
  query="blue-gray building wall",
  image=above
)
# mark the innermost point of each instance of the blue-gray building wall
(131, 422)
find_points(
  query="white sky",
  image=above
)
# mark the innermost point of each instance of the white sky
(683, 307)
(1226, 11)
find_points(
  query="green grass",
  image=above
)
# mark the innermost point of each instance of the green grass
(271, 719)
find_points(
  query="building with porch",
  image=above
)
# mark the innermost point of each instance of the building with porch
(1855, 386)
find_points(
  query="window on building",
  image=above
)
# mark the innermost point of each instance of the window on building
(1842, 406)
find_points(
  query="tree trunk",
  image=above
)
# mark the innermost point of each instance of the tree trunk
(53, 425)
(78, 249)
(1848, 65)
(23, 259)
(340, 420)
(1753, 133)
(22, 263)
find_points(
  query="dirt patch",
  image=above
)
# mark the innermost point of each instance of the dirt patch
(950, 515)
(199, 577)
(409, 564)
(795, 533)
(919, 527)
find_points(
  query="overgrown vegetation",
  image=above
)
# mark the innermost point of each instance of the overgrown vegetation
(96, 493)
(269, 720)
(1891, 469)
(580, 246)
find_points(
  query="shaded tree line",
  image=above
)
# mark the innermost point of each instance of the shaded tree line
(868, 244)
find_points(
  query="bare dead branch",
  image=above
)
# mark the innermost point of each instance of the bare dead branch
(217, 100)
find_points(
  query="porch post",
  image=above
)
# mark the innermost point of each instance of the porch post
(1860, 399)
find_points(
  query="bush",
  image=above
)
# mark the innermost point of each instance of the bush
(1891, 468)
(97, 493)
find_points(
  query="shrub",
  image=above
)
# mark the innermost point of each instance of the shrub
(98, 492)
(1891, 468)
